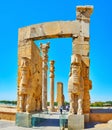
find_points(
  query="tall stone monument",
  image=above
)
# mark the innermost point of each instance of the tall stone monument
(52, 85)
(44, 49)
(29, 81)
(79, 83)
(32, 68)
(60, 95)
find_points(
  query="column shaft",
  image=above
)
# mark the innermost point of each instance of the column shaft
(52, 93)
(52, 85)
(44, 49)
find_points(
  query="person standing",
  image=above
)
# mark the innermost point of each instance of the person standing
(61, 110)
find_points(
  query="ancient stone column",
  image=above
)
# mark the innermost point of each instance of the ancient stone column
(52, 85)
(44, 49)
(60, 95)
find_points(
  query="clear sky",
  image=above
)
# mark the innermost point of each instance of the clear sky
(15, 14)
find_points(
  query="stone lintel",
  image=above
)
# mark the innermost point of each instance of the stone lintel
(49, 30)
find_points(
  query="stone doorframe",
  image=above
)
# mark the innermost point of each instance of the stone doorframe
(78, 30)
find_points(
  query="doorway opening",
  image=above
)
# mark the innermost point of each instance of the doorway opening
(60, 51)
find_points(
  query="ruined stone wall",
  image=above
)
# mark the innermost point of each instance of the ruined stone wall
(37, 75)
(100, 117)
(83, 48)
(79, 83)
(29, 77)
(8, 116)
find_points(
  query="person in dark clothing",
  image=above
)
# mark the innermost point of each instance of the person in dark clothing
(61, 110)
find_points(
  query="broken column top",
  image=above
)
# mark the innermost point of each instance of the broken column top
(60, 83)
(45, 46)
(84, 12)
(52, 62)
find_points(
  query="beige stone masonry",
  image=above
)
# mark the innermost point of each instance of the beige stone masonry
(79, 83)
(44, 50)
(52, 69)
(49, 30)
(60, 95)
(29, 78)
(32, 66)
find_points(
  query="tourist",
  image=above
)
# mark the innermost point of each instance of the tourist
(67, 108)
(61, 110)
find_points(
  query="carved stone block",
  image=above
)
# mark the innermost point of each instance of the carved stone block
(23, 119)
(82, 49)
(75, 122)
(51, 28)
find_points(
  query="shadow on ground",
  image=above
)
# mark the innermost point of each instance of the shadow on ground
(91, 124)
(49, 122)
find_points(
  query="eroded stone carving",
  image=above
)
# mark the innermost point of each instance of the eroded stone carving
(79, 83)
(75, 85)
(29, 78)
(24, 88)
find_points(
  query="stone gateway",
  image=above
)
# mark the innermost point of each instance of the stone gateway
(32, 66)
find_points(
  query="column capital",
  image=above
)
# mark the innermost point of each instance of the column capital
(44, 47)
(84, 12)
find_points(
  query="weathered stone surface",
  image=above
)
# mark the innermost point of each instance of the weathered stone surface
(85, 29)
(86, 117)
(82, 49)
(60, 95)
(86, 61)
(29, 78)
(75, 122)
(36, 31)
(7, 116)
(24, 50)
(52, 68)
(84, 12)
(70, 27)
(32, 67)
(110, 123)
(51, 28)
(76, 85)
(23, 119)
(44, 50)
(100, 117)
(24, 33)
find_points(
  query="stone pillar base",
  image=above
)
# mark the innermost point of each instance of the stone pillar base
(23, 119)
(75, 122)
(44, 109)
(52, 109)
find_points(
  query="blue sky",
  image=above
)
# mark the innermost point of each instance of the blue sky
(16, 14)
